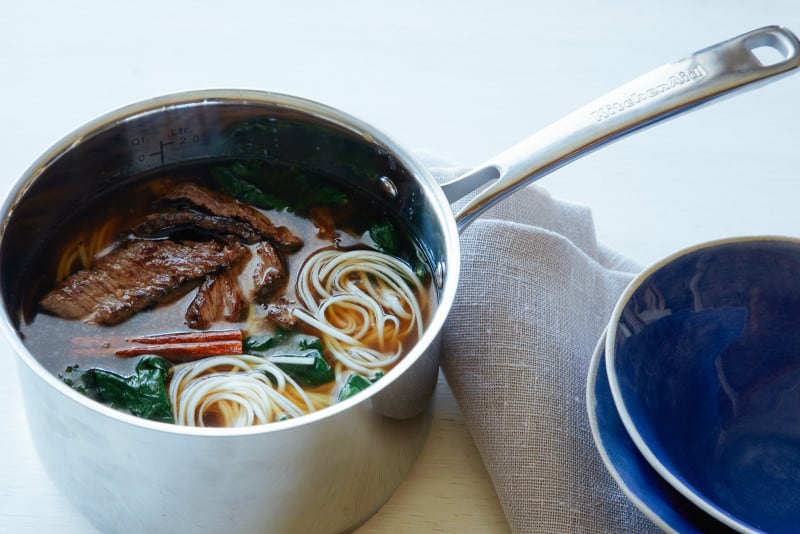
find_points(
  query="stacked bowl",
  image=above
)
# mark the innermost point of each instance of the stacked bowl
(694, 388)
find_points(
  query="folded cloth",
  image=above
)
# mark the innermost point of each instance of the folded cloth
(535, 294)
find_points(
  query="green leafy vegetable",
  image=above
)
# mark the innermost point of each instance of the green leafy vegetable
(378, 375)
(285, 140)
(389, 239)
(143, 393)
(285, 345)
(297, 193)
(354, 384)
(310, 375)
(311, 194)
(236, 180)
(357, 383)
(385, 237)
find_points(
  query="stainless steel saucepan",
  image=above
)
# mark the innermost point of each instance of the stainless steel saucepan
(328, 471)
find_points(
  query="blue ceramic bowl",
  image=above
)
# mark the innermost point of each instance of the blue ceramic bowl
(703, 362)
(663, 504)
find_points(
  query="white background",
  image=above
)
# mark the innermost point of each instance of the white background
(459, 79)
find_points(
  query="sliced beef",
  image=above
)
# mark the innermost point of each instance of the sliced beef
(269, 274)
(225, 206)
(162, 224)
(136, 275)
(219, 297)
(280, 314)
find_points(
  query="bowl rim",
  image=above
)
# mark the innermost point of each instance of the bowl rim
(598, 356)
(611, 335)
(221, 96)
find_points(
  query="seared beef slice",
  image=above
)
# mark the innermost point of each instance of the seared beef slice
(135, 275)
(161, 224)
(280, 314)
(219, 298)
(269, 273)
(224, 206)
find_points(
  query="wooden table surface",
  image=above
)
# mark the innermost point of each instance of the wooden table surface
(448, 490)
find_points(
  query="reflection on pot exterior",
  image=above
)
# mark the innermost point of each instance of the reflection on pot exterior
(319, 477)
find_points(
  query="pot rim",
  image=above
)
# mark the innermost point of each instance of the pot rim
(204, 97)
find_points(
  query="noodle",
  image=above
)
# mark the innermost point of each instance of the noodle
(234, 391)
(84, 254)
(319, 315)
(363, 303)
(65, 263)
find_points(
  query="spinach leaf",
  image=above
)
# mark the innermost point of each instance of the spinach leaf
(385, 237)
(143, 393)
(286, 344)
(236, 180)
(354, 384)
(320, 372)
(311, 193)
(260, 345)
(295, 192)
(389, 239)
(357, 383)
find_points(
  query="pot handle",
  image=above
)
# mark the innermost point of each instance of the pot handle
(664, 92)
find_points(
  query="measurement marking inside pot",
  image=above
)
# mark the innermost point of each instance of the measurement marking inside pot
(177, 139)
(160, 152)
(691, 74)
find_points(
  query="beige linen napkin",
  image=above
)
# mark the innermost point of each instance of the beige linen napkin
(536, 292)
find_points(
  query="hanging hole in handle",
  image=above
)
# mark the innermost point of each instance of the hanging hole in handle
(769, 49)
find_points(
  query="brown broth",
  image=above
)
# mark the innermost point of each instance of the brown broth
(58, 343)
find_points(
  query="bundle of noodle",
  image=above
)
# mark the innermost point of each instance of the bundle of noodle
(86, 246)
(235, 391)
(363, 303)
